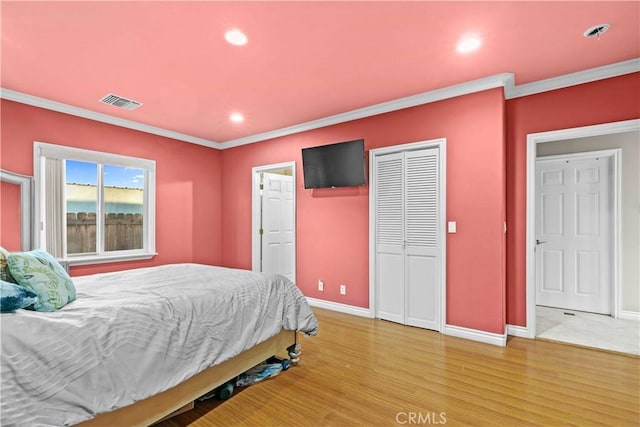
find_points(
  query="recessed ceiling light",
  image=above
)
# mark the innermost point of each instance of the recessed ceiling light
(596, 30)
(236, 37)
(236, 118)
(469, 44)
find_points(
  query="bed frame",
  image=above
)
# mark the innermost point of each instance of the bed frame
(170, 402)
(158, 407)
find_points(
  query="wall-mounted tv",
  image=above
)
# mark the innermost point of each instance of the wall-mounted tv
(334, 165)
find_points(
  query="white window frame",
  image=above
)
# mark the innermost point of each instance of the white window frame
(43, 150)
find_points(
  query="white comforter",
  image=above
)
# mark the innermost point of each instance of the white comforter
(132, 334)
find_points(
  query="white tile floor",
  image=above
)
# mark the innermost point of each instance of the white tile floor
(588, 329)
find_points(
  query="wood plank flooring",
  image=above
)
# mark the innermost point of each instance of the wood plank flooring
(365, 372)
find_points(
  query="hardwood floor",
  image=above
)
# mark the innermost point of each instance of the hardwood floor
(360, 371)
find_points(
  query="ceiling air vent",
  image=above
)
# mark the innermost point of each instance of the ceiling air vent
(118, 101)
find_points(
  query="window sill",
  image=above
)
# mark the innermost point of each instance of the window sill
(88, 260)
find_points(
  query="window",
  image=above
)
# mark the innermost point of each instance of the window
(94, 207)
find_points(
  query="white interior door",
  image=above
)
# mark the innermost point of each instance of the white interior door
(277, 224)
(408, 251)
(390, 269)
(573, 230)
(422, 263)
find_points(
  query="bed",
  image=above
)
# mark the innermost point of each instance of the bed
(133, 334)
(137, 345)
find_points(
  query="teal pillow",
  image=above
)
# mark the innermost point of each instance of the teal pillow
(5, 274)
(14, 297)
(40, 273)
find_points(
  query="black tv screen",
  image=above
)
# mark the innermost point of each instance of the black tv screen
(334, 165)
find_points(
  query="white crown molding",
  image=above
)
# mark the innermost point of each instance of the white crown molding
(505, 80)
(574, 79)
(491, 82)
(585, 131)
(48, 104)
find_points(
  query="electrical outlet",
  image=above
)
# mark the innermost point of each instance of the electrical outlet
(343, 289)
(320, 285)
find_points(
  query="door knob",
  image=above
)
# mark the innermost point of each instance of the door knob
(539, 242)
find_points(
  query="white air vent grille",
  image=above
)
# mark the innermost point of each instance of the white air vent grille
(596, 30)
(118, 101)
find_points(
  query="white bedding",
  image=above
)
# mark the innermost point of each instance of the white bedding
(132, 334)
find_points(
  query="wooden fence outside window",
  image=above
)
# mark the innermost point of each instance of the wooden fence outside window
(121, 232)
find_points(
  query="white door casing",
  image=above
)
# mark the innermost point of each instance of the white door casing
(574, 224)
(407, 253)
(561, 135)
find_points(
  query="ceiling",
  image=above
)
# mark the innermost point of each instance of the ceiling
(303, 61)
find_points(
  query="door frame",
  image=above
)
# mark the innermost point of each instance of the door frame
(255, 212)
(440, 143)
(530, 239)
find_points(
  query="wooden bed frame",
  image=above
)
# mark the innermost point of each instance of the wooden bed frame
(157, 407)
(162, 405)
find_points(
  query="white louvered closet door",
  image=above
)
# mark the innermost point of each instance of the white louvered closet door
(408, 255)
(390, 237)
(422, 262)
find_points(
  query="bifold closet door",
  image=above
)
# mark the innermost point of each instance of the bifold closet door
(390, 237)
(422, 260)
(407, 244)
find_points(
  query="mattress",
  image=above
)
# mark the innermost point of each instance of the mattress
(132, 334)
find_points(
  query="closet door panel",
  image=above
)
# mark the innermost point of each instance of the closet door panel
(422, 308)
(421, 230)
(390, 238)
(391, 292)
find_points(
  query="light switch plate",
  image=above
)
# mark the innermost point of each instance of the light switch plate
(452, 227)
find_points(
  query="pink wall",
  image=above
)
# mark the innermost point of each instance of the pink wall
(212, 190)
(188, 185)
(599, 102)
(333, 224)
(10, 216)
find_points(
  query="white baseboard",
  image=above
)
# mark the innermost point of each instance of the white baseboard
(475, 335)
(629, 315)
(342, 308)
(517, 331)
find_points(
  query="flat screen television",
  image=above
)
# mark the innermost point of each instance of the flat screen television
(334, 165)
